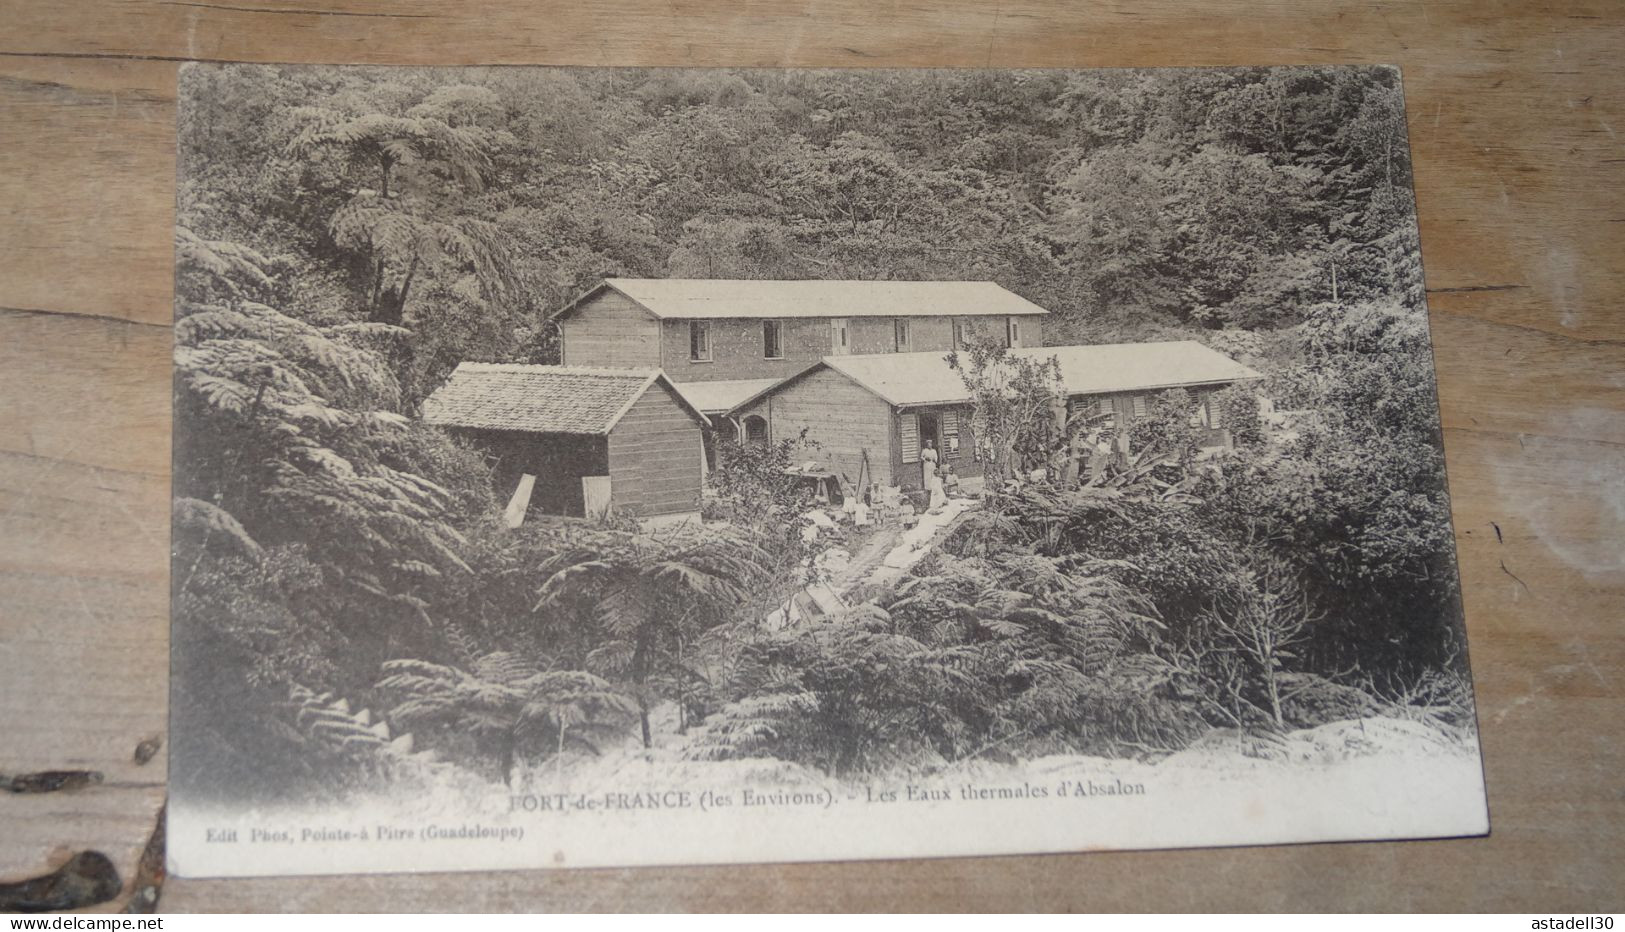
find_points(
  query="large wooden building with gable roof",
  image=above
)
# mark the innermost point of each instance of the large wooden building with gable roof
(879, 410)
(731, 338)
(625, 438)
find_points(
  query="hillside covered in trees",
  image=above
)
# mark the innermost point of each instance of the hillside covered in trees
(471, 204)
(347, 236)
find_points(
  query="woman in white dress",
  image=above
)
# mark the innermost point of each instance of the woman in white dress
(933, 477)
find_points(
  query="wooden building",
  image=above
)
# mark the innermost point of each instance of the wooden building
(626, 440)
(878, 410)
(740, 331)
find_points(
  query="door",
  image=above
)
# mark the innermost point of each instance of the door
(514, 514)
(930, 433)
(596, 496)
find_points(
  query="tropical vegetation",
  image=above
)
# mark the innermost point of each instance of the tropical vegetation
(349, 608)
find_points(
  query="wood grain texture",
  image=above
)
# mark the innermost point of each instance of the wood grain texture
(1513, 111)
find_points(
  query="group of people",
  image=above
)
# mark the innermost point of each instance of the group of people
(940, 478)
(1097, 450)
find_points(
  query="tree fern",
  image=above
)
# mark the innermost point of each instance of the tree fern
(354, 746)
(285, 430)
(404, 231)
(227, 267)
(643, 600)
(755, 726)
(508, 707)
(382, 142)
(847, 696)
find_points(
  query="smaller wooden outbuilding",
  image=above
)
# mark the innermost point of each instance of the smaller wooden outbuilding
(594, 440)
(872, 415)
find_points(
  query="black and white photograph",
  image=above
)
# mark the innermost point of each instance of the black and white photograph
(619, 466)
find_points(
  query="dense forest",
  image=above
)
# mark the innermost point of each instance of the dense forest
(347, 236)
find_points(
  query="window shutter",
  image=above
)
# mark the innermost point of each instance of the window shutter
(1140, 406)
(950, 433)
(1213, 418)
(908, 435)
(1102, 407)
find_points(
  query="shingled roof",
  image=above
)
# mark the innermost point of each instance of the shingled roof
(541, 399)
(717, 298)
(915, 379)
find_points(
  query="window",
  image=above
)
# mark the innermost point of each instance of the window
(1012, 331)
(959, 333)
(1106, 410)
(1204, 412)
(1141, 405)
(900, 331)
(772, 339)
(699, 340)
(756, 431)
(840, 343)
(1198, 415)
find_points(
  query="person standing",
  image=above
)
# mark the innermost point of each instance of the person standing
(932, 475)
(1099, 452)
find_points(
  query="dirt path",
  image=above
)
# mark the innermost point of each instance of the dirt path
(872, 554)
(866, 559)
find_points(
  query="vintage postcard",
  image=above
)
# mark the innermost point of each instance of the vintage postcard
(622, 466)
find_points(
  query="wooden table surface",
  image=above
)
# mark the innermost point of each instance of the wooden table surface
(1514, 114)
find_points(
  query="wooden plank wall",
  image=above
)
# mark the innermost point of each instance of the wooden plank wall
(736, 350)
(736, 344)
(843, 419)
(611, 331)
(1515, 110)
(654, 457)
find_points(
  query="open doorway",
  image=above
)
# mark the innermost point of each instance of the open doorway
(930, 434)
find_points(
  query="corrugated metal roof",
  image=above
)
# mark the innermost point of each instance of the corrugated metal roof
(913, 379)
(713, 298)
(720, 396)
(538, 399)
(1126, 367)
